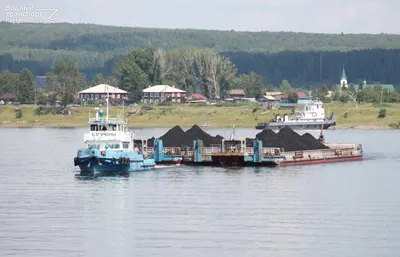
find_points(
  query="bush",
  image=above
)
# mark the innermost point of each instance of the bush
(382, 113)
(18, 114)
(395, 125)
(43, 110)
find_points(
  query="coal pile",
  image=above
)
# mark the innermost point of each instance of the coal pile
(291, 141)
(177, 137)
(269, 138)
(312, 142)
(195, 132)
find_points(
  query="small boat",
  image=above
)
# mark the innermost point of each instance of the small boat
(110, 148)
(310, 118)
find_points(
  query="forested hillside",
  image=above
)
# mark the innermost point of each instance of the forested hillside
(304, 67)
(274, 55)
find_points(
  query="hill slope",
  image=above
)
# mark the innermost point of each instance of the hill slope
(118, 40)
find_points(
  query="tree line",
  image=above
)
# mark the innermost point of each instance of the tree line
(301, 69)
(39, 46)
(195, 70)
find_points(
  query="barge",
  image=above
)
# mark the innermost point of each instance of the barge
(234, 152)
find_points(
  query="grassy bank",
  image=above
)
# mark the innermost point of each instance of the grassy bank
(349, 116)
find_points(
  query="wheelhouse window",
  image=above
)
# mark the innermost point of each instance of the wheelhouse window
(94, 127)
(126, 145)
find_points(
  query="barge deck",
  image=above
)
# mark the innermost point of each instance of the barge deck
(234, 152)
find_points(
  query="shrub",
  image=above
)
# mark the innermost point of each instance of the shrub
(382, 113)
(18, 114)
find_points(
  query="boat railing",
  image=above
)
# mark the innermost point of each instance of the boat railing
(272, 151)
(212, 149)
(323, 153)
(109, 120)
(341, 146)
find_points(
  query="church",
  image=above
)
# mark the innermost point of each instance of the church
(344, 83)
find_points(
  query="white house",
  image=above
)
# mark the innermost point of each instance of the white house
(100, 92)
(160, 93)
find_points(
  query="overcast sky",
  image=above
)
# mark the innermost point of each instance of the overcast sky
(325, 16)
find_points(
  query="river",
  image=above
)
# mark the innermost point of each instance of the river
(341, 209)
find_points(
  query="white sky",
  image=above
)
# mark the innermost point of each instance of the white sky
(325, 16)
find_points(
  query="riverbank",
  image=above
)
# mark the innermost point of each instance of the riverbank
(349, 116)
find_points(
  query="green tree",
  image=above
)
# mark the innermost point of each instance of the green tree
(8, 82)
(293, 97)
(64, 82)
(26, 87)
(252, 84)
(285, 86)
(382, 113)
(98, 79)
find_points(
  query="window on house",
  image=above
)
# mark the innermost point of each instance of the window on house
(162, 94)
(146, 94)
(155, 94)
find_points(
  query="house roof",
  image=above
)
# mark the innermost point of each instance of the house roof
(236, 92)
(273, 93)
(198, 96)
(103, 89)
(300, 95)
(269, 98)
(163, 89)
(8, 96)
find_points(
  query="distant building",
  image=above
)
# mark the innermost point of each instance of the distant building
(40, 81)
(344, 84)
(302, 98)
(8, 97)
(197, 97)
(100, 92)
(236, 94)
(161, 93)
(269, 101)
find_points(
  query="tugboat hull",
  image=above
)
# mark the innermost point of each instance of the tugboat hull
(112, 163)
(296, 125)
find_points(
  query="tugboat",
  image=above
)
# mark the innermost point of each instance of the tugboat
(110, 149)
(312, 117)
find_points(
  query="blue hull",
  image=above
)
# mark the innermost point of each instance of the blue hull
(111, 162)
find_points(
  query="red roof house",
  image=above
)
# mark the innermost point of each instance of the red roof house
(197, 97)
(300, 95)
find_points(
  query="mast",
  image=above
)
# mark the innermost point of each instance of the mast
(107, 102)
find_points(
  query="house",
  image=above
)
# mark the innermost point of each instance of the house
(161, 93)
(8, 97)
(197, 97)
(302, 98)
(100, 92)
(274, 94)
(269, 101)
(344, 84)
(236, 94)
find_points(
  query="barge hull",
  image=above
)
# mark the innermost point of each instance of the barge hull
(296, 125)
(321, 161)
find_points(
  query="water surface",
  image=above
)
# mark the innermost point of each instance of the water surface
(342, 209)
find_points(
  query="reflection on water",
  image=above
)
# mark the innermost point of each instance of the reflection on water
(341, 209)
